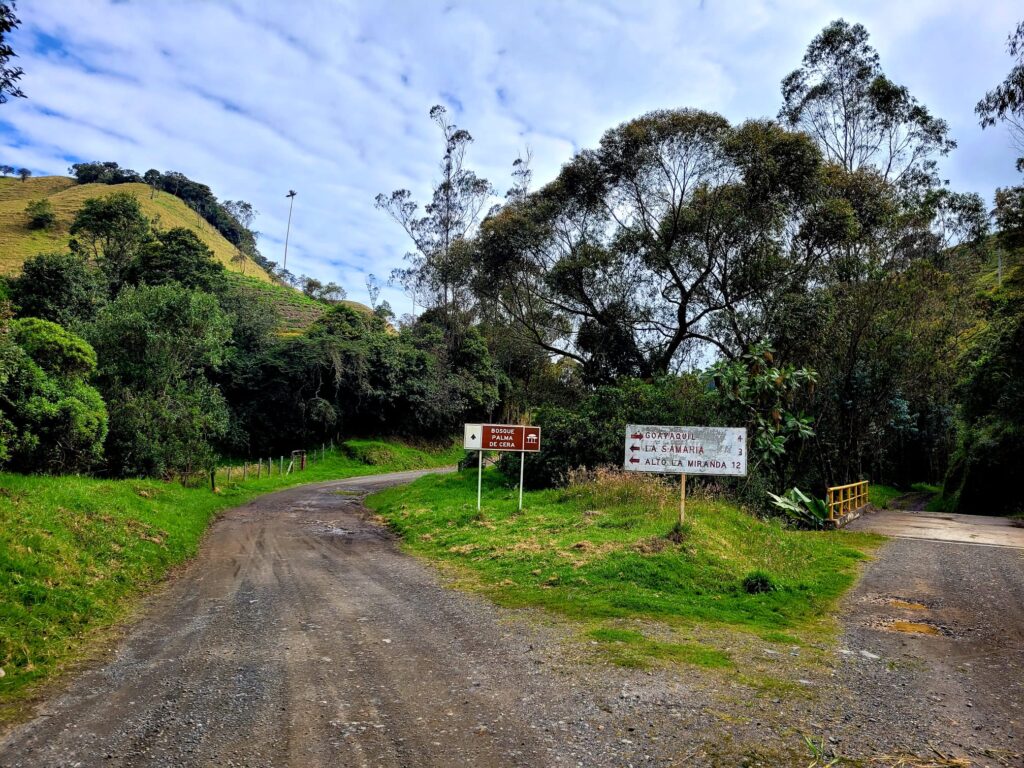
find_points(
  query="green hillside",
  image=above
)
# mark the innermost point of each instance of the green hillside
(18, 242)
(296, 310)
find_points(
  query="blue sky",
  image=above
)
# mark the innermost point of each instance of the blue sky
(331, 98)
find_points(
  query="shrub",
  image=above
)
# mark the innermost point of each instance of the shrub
(805, 511)
(60, 287)
(590, 434)
(372, 455)
(40, 214)
(757, 583)
(51, 419)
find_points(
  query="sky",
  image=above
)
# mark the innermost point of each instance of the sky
(330, 98)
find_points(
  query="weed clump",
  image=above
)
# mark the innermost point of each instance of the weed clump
(757, 583)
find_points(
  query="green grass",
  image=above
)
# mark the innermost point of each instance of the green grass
(881, 495)
(599, 553)
(629, 648)
(75, 552)
(18, 242)
(297, 310)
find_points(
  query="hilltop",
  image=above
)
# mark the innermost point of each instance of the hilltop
(18, 242)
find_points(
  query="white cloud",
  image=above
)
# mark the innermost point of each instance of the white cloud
(331, 98)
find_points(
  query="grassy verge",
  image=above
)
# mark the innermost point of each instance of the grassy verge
(605, 552)
(881, 495)
(75, 551)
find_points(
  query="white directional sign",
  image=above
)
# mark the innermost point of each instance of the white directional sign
(686, 450)
(472, 438)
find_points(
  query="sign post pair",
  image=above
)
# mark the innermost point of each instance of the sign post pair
(500, 437)
(685, 450)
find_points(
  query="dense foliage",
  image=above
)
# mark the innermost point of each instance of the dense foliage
(192, 366)
(231, 218)
(51, 418)
(810, 278)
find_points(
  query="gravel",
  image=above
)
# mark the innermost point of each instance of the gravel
(302, 636)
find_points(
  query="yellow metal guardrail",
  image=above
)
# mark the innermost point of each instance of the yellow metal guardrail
(844, 499)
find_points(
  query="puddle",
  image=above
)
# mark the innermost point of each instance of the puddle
(900, 603)
(915, 628)
(911, 627)
(906, 604)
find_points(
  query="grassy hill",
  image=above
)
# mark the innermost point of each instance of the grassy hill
(296, 310)
(18, 242)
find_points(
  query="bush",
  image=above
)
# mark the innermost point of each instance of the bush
(157, 346)
(40, 214)
(60, 287)
(804, 510)
(757, 583)
(52, 420)
(590, 435)
(372, 455)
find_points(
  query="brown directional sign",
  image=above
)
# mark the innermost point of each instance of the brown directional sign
(509, 437)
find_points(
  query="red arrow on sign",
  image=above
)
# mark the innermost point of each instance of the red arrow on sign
(637, 436)
(634, 460)
(634, 447)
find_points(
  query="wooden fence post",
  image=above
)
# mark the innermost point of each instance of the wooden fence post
(213, 479)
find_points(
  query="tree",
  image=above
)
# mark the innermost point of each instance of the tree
(670, 236)
(765, 396)
(7, 170)
(24, 173)
(40, 214)
(55, 421)
(9, 76)
(1005, 102)
(991, 441)
(330, 292)
(373, 287)
(104, 173)
(111, 231)
(440, 268)
(859, 117)
(158, 346)
(60, 287)
(177, 255)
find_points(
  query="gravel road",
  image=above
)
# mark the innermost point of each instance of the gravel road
(302, 636)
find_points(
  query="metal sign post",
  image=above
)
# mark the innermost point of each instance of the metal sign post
(522, 463)
(500, 437)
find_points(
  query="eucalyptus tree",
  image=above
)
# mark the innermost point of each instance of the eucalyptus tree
(859, 117)
(439, 269)
(1005, 102)
(672, 236)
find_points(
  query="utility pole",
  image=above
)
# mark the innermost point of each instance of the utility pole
(291, 203)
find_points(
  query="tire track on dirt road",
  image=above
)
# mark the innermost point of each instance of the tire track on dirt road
(300, 635)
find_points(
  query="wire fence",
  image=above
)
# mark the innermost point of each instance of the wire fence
(268, 466)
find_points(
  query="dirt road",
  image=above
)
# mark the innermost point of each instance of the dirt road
(302, 636)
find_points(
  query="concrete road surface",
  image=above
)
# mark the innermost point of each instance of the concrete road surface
(941, 526)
